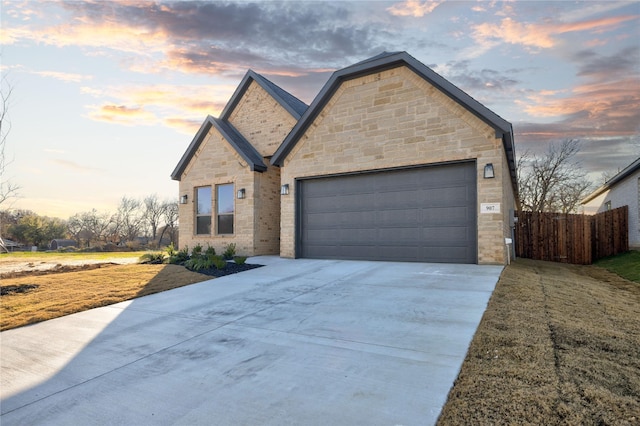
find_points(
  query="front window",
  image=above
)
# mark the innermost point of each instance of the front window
(225, 208)
(203, 210)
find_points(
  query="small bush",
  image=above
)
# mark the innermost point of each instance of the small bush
(180, 256)
(198, 263)
(240, 260)
(152, 258)
(196, 251)
(171, 250)
(219, 262)
(210, 251)
(229, 251)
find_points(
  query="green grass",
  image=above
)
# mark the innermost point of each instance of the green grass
(627, 265)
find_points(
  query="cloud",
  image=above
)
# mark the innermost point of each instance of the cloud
(64, 76)
(475, 81)
(536, 36)
(72, 165)
(213, 37)
(122, 114)
(414, 8)
(153, 104)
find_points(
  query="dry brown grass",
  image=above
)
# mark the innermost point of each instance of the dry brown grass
(558, 344)
(65, 293)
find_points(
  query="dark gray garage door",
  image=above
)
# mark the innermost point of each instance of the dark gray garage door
(425, 214)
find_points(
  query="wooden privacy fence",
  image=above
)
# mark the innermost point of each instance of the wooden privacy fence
(571, 238)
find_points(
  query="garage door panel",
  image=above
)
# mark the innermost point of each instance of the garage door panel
(424, 214)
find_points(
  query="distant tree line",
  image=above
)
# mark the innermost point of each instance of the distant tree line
(148, 221)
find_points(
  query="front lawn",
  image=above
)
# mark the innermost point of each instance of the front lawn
(558, 344)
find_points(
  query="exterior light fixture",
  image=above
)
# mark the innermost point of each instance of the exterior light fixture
(183, 199)
(284, 189)
(488, 171)
(241, 194)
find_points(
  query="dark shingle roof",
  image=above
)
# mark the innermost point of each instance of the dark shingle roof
(237, 141)
(627, 171)
(293, 105)
(388, 60)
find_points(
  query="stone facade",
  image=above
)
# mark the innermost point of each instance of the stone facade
(395, 118)
(264, 123)
(261, 120)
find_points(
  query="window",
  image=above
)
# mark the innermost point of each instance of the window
(607, 206)
(203, 210)
(225, 208)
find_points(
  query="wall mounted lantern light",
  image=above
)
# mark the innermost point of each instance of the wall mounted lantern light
(183, 199)
(488, 171)
(241, 194)
(284, 189)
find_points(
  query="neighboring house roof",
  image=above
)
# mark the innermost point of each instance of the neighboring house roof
(627, 171)
(293, 105)
(388, 60)
(235, 139)
(290, 103)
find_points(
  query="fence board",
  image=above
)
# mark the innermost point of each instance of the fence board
(571, 238)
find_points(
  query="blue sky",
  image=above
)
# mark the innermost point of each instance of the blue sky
(107, 95)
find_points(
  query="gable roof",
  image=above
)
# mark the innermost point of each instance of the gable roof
(385, 61)
(627, 171)
(235, 139)
(290, 103)
(293, 105)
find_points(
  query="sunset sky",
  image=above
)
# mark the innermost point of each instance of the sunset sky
(107, 95)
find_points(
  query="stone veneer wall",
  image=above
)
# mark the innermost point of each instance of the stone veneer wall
(264, 123)
(216, 163)
(261, 120)
(395, 118)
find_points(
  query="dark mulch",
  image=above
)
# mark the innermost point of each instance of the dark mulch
(231, 268)
(12, 289)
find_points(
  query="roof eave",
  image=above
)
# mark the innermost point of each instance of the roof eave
(191, 149)
(242, 88)
(501, 126)
(627, 171)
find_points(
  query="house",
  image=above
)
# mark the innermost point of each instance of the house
(621, 190)
(389, 162)
(59, 243)
(229, 191)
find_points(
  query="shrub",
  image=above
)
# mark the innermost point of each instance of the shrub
(240, 260)
(152, 258)
(196, 251)
(219, 262)
(229, 251)
(197, 263)
(180, 256)
(210, 251)
(171, 250)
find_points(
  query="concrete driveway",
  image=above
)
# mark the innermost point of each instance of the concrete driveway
(297, 342)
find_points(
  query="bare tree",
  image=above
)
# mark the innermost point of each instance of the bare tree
(153, 212)
(8, 189)
(170, 216)
(554, 182)
(90, 227)
(129, 219)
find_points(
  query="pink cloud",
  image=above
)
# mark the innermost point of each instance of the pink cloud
(414, 8)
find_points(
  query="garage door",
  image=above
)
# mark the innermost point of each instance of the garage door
(425, 214)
